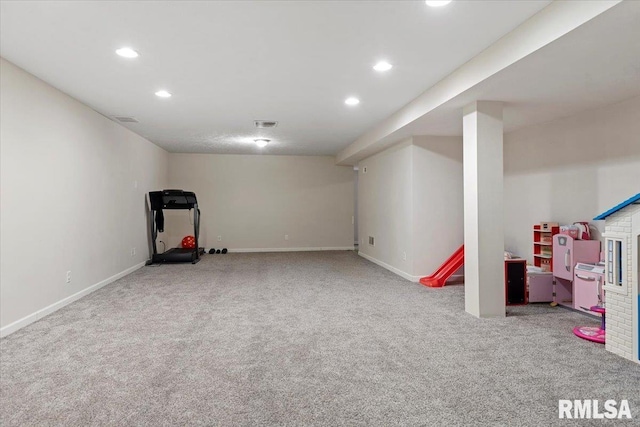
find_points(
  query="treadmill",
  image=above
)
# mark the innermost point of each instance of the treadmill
(172, 200)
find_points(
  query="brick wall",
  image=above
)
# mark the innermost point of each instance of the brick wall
(619, 306)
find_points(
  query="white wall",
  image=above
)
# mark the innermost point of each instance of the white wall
(570, 170)
(410, 201)
(253, 201)
(68, 197)
(438, 202)
(385, 208)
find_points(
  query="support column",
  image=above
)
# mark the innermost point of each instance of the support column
(483, 209)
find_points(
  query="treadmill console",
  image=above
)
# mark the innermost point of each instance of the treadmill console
(172, 199)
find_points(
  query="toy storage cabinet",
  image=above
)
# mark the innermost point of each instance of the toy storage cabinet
(540, 287)
(515, 273)
(567, 252)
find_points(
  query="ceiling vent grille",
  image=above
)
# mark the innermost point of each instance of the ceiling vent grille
(123, 119)
(261, 124)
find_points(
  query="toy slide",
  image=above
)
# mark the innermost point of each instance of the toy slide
(450, 266)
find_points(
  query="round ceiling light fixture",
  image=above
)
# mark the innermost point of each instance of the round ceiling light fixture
(352, 101)
(127, 52)
(437, 3)
(382, 66)
(261, 142)
(163, 94)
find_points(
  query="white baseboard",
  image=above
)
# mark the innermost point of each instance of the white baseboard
(27, 320)
(455, 277)
(340, 248)
(390, 268)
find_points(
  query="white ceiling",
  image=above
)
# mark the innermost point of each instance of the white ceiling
(595, 65)
(229, 63)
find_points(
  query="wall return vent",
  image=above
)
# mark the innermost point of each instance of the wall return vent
(261, 124)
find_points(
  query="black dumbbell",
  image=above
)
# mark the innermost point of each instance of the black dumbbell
(218, 251)
(212, 251)
(224, 251)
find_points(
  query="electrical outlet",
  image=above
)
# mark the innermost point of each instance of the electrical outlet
(69, 276)
(133, 251)
(135, 184)
(404, 256)
(286, 237)
(219, 238)
(364, 169)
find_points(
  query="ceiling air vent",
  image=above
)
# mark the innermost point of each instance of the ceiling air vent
(123, 119)
(265, 124)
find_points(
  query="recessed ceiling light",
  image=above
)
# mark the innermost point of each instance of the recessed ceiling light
(352, 101)
(163, 94)
(382, 66)
(437, 3)
(262, 142)
(127, 52)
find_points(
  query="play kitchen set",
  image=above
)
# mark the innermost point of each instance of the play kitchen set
(554, 276)
(568, 270)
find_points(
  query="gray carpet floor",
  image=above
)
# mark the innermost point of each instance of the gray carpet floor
(317, 338)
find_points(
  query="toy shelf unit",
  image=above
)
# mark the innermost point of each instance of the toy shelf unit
(543, 244)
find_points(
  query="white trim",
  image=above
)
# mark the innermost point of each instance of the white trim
(390, 268)
(27, 320)
(623, 238)
(635, 284)
(454, 277)
(246, 250)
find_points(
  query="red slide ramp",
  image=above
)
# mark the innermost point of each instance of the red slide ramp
(450, 266)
